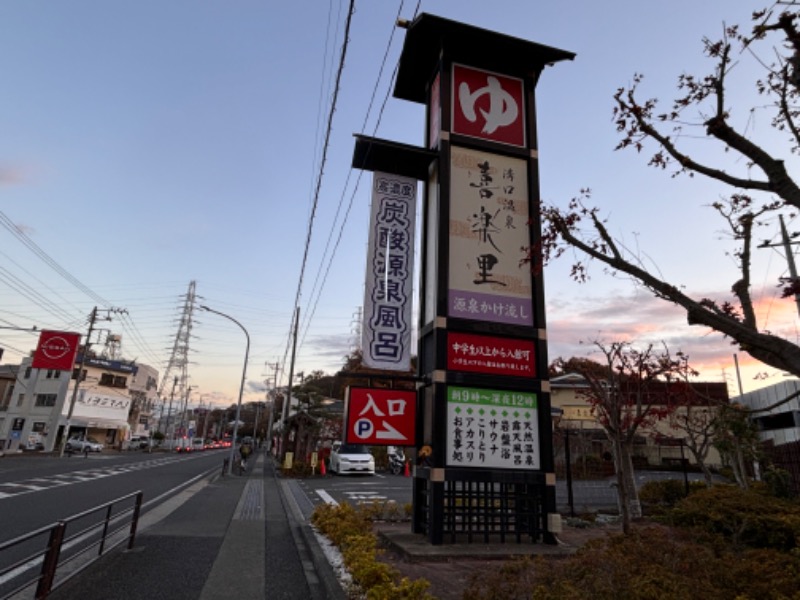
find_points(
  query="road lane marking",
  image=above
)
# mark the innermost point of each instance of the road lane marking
(327, 498)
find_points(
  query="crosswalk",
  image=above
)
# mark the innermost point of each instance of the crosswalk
(38, 484)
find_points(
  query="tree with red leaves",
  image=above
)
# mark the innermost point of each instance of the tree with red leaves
(759, 177)
(629, 391)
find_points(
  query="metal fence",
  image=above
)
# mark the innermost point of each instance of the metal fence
(41, 560)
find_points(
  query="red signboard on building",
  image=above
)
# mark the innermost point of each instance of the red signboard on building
(491, 355)
(488, 105)
(56, 350)
(380, 417)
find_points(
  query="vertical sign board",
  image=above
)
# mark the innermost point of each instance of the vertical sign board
(489, 228)
(386, 329)
(492, 429)
(488, 231)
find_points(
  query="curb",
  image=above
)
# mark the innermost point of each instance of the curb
(329, 582)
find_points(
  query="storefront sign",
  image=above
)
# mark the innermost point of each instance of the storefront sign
(492, 429)
(56, 350)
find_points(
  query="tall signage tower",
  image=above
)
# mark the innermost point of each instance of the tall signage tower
(483, 426)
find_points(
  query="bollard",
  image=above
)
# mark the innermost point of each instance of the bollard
(225, 463)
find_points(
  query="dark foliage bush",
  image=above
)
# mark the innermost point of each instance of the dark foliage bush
(652, 563)
(659, 496)
(744, 517)
(779, 482)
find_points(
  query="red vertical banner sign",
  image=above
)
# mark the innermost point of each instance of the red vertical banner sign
(56, 350)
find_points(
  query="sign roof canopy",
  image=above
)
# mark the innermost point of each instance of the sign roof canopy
(428, 35)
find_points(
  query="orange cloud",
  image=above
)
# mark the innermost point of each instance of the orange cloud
(641, 319)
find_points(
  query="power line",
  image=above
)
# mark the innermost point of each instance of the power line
(326, 145)
(327, 269)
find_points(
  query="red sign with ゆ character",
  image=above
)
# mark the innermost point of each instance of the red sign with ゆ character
(380, 417)
(56, 350)
(488, 105)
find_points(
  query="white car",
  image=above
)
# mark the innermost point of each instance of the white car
(351, 458)
(138, 442)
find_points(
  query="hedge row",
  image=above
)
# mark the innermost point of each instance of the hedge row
(350, 529)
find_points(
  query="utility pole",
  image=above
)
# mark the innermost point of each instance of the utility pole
(272, 411)
(786, 242)
(184, 420)
(87, 343)
(205, 418)
(169, 412)
(288, 400)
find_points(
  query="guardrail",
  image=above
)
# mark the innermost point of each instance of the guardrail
(66, 552)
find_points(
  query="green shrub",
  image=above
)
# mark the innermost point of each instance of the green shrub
(350, 529)
(743, 517)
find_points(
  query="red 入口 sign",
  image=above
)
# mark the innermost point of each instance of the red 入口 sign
(56, 350)
(380, 417)
(488, 105)
(491, 355)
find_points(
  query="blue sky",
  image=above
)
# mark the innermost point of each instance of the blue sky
(147, 144)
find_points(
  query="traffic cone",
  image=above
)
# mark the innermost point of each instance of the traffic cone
(322, 467)
(407, 472)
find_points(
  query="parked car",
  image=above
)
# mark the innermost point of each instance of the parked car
(138, 442)
(80, 444)
(351, 458)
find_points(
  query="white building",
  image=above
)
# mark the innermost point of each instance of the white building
(778, 420)
(115, 399)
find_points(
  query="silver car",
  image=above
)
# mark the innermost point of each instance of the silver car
(80, 444)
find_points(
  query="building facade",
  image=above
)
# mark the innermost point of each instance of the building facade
(663, 444)
(776, 411)
(114, 400)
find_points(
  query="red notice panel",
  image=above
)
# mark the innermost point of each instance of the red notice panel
(491, 355)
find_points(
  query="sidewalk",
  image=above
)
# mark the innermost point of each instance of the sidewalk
(225, 537)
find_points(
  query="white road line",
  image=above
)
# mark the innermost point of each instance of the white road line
(327, 498)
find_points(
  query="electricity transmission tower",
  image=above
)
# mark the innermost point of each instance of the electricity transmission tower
(175, 379)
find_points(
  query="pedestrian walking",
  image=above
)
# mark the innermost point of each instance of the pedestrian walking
(245, 450)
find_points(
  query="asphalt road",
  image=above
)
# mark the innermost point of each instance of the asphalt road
(37, 490)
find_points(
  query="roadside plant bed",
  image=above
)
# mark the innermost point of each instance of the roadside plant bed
(653, 561)
(350, 529)
(718, 543)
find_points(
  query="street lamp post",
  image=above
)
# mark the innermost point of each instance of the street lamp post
(241, 385)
